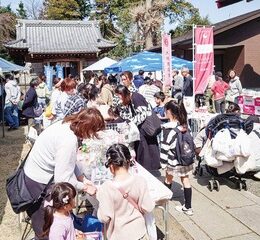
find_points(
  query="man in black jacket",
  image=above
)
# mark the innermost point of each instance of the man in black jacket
(187, 82)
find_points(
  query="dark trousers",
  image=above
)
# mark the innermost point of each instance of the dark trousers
(220, 105)
(37, 218)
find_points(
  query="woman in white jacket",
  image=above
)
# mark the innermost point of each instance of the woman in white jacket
(12, 98)
(54, 154)
(235, 87)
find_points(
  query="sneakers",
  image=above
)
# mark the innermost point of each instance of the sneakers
(183, 209)
(257, 175)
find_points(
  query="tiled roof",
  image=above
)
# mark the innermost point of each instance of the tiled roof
(57, 36)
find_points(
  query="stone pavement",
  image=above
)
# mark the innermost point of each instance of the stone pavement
(228, 214)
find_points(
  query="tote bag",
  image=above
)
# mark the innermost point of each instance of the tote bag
(37, 110)
(151, 125)
(19, 195)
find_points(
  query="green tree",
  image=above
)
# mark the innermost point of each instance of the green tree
(122, 49)
(6, 9)
(21, 11)
(140, 21)
(84, 8)
(7, 30)
(62, 10)
(66, 9)
(186, 25)
(149, 16)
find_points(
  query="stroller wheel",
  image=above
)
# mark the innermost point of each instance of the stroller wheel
(216, 185)
(211, 185)
(244, 185)
(195, 172)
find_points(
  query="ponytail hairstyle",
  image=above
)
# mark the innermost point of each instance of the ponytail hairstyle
(118, 155)
(178, 111)
(62, 194)
(160, 95)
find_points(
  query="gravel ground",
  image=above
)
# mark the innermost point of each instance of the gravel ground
(12, 149)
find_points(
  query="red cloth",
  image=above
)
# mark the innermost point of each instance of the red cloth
(219, 88)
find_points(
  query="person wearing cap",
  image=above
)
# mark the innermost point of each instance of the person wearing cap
(219, 89)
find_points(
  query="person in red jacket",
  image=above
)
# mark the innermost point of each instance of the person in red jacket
(219, 89)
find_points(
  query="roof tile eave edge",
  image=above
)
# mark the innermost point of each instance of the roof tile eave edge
(111, 46)
(76, 52)
(234, 24)
(12, 47)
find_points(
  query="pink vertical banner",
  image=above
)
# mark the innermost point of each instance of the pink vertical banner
(204, 58)
(167, 59)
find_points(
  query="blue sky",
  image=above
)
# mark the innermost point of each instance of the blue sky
(209, 7)
(206, 7)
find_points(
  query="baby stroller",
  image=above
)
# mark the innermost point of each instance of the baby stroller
(234, 124)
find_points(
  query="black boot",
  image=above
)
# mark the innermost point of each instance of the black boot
(168, 185)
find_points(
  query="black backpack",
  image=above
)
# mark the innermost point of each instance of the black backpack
(185, 148)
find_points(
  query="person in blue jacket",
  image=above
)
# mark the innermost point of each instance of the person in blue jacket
(139, 79)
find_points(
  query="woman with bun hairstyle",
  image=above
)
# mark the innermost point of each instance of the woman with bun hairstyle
(124, 219)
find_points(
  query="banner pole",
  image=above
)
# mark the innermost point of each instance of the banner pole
(193, 64)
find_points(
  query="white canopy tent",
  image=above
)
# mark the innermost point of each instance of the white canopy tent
(100, 65)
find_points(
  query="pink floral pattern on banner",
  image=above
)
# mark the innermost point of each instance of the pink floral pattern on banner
(167, 60)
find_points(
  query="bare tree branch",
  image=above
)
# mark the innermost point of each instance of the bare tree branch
(34, 8)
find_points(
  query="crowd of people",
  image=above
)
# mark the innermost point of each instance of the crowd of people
(72, 112)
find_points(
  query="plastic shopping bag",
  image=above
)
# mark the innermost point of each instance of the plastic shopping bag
(150, 226)
(32, 134)
(133, 134)
(209, 155)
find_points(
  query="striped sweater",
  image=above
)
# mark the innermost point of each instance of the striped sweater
(137, 111)
(168, 145)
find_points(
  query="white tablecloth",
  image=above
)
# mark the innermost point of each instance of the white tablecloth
(157, 189)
